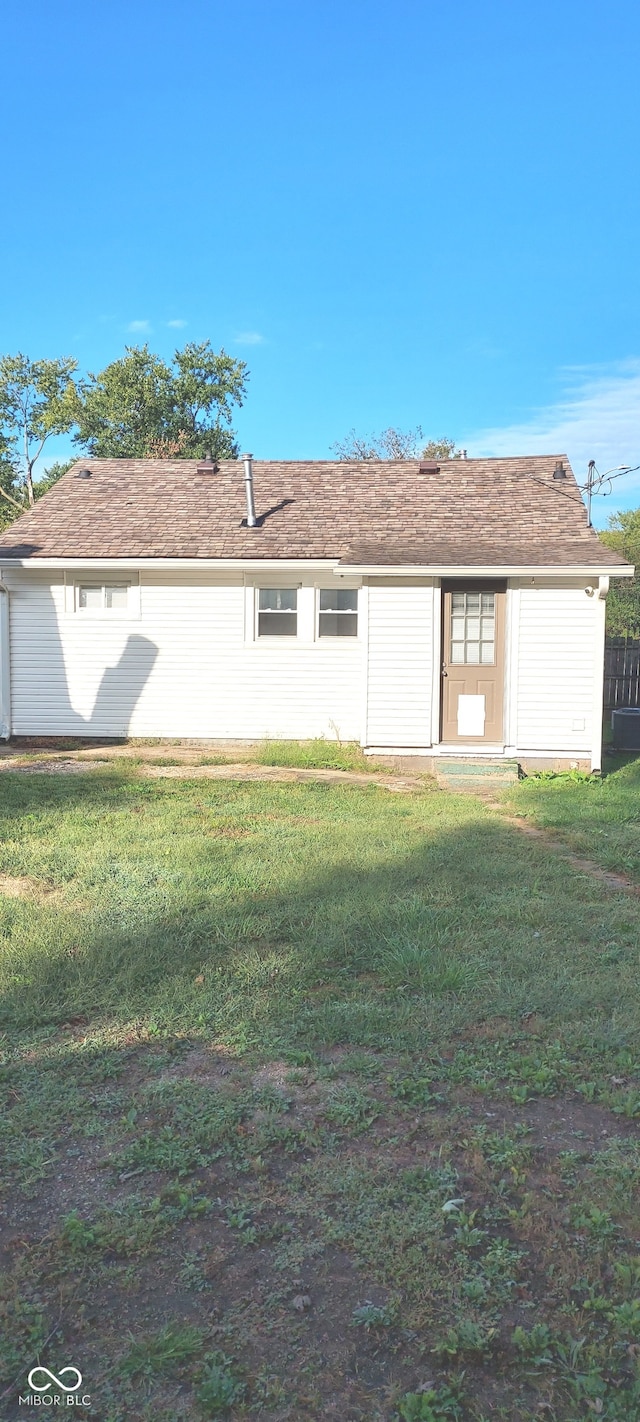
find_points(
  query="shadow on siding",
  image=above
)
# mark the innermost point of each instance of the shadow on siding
(121, 687)
(117, 696)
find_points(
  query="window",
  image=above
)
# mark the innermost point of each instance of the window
(110, 597)
(473, 628)
(277, 612)
(338, 615)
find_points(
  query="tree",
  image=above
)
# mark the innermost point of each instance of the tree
(394, 444)
(10, 495)
(140, 406)
(51, 476)
(37, 399)
(623, 602)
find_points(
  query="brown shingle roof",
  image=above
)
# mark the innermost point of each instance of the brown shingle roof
(491, 512)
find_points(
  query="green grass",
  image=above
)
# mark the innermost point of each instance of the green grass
(318, 754)
(316, 1096)
(599, 818)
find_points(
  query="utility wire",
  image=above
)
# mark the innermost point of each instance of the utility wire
(596, 480)
(594, 484)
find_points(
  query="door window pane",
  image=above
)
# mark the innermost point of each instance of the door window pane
(472, 628)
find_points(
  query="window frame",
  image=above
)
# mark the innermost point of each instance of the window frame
(334, 612)
(86, 586)
(75, 582)
(276, 612)
(308, 590)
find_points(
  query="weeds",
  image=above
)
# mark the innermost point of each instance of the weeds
(220, 1385)
(319, 754)
(168, 1352)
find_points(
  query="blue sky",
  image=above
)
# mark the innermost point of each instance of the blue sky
(397, 214)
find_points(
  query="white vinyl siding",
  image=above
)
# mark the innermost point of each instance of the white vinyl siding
(555, 665)
(182, 668)
(185, 660)
(399, 693)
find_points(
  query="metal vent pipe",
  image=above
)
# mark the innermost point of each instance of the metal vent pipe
(247, 460)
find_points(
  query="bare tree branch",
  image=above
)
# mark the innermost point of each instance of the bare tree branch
(15, 503)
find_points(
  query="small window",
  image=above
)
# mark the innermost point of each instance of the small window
(338, 612)
(112, 597)
(277, 612)
(472, 628)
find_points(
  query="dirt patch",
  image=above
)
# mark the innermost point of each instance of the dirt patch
(613, 879)
(327, 1307)
(286, 774)
(52, 766)
(241, 770)
(25, 888)
(203, 1064)
(555, 1123)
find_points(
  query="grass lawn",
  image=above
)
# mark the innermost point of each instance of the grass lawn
(597, 817)
(318, 1101)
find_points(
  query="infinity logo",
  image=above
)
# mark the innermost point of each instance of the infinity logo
(57, 1382)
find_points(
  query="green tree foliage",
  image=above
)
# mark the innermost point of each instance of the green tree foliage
(623, 602)
(10, 496)
(37, 399)
(12, 491)
(139, 405)
(51, 476)
(394, 444)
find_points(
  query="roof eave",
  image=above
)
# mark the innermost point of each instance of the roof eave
(486, 570)
(309, 565)
(222, 565)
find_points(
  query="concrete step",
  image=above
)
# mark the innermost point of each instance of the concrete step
(475, 775)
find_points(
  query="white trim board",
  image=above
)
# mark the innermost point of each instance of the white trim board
(376, 570)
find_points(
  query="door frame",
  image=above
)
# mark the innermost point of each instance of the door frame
(471, 584)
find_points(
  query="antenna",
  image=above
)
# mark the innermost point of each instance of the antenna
(595, 481)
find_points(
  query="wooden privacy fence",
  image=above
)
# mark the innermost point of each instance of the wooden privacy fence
(621, 672)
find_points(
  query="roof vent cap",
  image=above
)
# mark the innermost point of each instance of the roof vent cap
(559, 471)
(428, 466)
(207, 465)
(83, 474)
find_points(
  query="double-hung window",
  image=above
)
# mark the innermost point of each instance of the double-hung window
(103, 597)
(277, 612)
(338, 612)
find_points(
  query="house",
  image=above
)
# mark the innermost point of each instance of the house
(416, 608)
